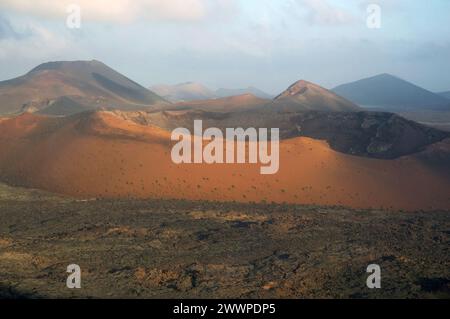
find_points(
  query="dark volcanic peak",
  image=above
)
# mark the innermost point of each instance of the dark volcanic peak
(389, 92)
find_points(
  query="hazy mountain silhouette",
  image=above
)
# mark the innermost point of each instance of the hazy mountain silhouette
(188, 91)
(192, 91)
(389, 92)
(445, 94)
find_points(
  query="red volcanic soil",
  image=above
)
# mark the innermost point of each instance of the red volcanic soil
(103, 155)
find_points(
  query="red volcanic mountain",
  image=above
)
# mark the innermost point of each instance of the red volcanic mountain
(307, 96)
(104, 154)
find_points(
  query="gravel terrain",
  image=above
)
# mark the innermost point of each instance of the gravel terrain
(179, 249)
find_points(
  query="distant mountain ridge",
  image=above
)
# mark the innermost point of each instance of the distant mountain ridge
(193, 91)
(388, 92)
(250, 90)
(187, 91)
(69, 87)
(300, 96)
(86, 84)
(445, 94)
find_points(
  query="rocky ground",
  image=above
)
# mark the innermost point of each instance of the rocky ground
(177, 249)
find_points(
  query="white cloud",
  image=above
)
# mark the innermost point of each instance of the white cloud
(320, 12)
(32, 42)
(114, 10)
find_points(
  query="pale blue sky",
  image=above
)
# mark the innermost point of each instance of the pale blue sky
(234, 43)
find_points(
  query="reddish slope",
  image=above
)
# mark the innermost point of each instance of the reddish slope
(101, 154)
(307, 96)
